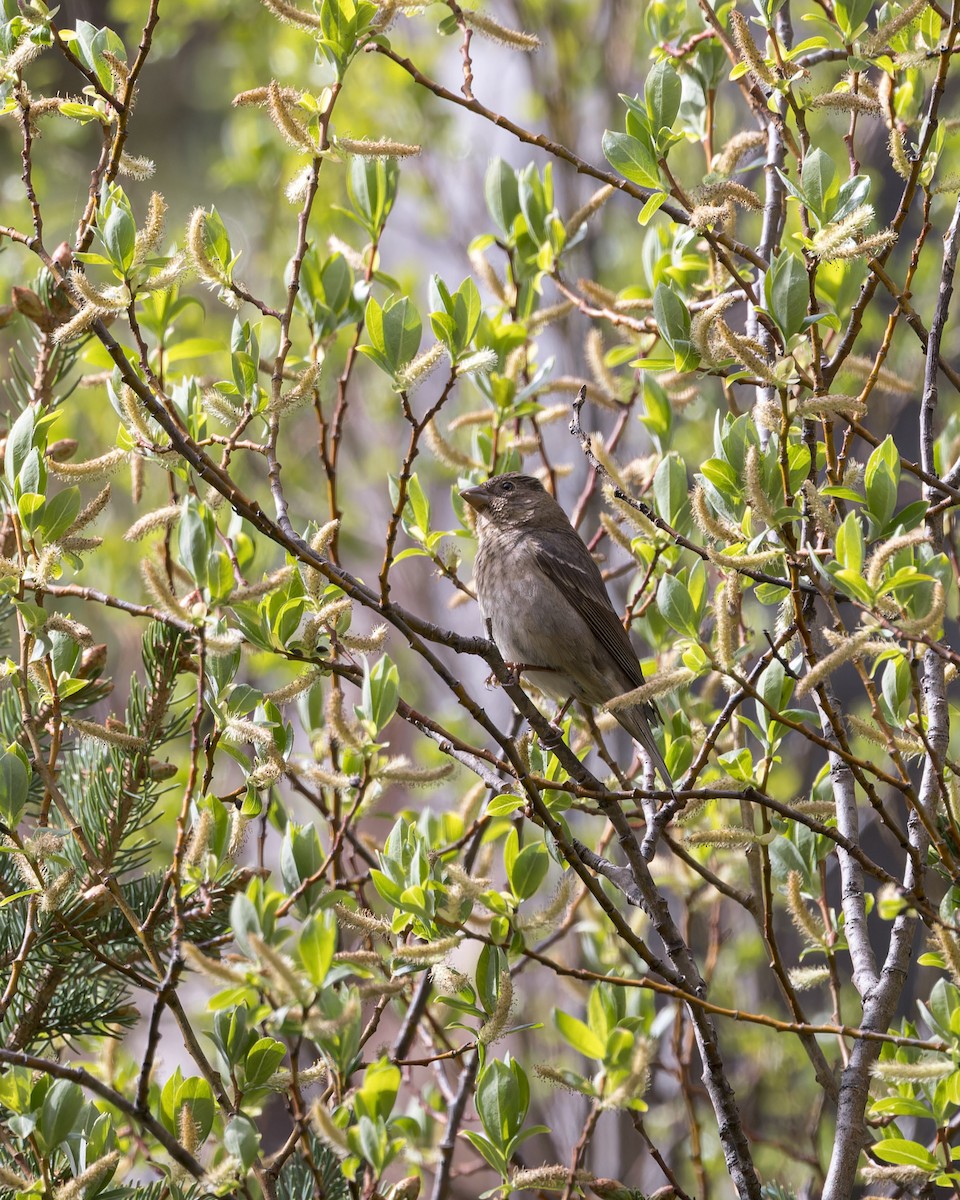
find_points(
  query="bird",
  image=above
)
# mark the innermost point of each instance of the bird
(544, 604)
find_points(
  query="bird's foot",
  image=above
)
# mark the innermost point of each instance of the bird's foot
(512, 679)
(514, 671)
(555, 736)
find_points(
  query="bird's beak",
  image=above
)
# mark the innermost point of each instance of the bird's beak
(477, 497)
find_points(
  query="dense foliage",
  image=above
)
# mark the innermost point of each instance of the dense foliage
(244, 950)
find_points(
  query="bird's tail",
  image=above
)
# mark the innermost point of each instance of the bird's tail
(637, 723)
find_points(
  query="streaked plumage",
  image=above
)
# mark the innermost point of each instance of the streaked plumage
(544, 603)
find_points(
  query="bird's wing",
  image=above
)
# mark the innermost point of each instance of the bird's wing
(567, 564)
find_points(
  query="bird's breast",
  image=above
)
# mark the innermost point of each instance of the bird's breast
(532, 622)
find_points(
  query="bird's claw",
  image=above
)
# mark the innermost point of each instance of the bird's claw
(554, 737)
(514, 671)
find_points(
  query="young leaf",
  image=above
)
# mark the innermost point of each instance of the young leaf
(636, 160)
(580, 1036)
(662, 94)
(262, 1061)
(14, 787)
(502, 195)
(818, 180)
(787, 293)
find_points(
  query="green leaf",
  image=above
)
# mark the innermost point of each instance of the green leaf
(168, 1100)
(455, 318)
(671, 314)
(30, 508)
(673, 322)
(244, 920)
(843, 493)
(943, 1007)
(931, 24)
(390, 891)
(90, 44)
(395, 331)
(818, 180)
(686, 357)
(494, 1157)
(118, 230)
(676, 606)
(786, 856)
(502, 806)
(511, 849)
(467, 309)
(195, 1099)
(378, 1093)
(850, 545)
(498, 1103)
(14, 787)
(903, 1152)
(262, 1061)
(580, 1036)
(670, 490)
(850, 16)
(231, 1034)
(242, 1139)
(881, 480)
(195, 347)
(635, 160)
(194, 540)
(853, 583)
(445, 330)
(317, 944)
(34, 617)
(216, 243)
(851, 195)
(770, 688)
(657, 416)
(19, 445)
(787, 292)
(653, 205)
(793, 189)
(910, 516)
(798, 457)
(418, 505)
(81, 112)
(32, 476)
(895, 689)
(62, 1106)
(245, 360)
(373, 320)
(402, 330)
(900, 1106)
(502, 195)
(605, 1007)
(724, 478)
(381, 691)
(60, 513)
(300, 854)
(662, 94)
(372, 187)
(528, 870)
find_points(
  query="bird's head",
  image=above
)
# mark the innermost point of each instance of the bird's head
(512, 499)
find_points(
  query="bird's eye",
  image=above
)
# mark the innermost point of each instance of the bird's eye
(506, 486)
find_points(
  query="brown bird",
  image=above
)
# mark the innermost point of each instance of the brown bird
(544, 603)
